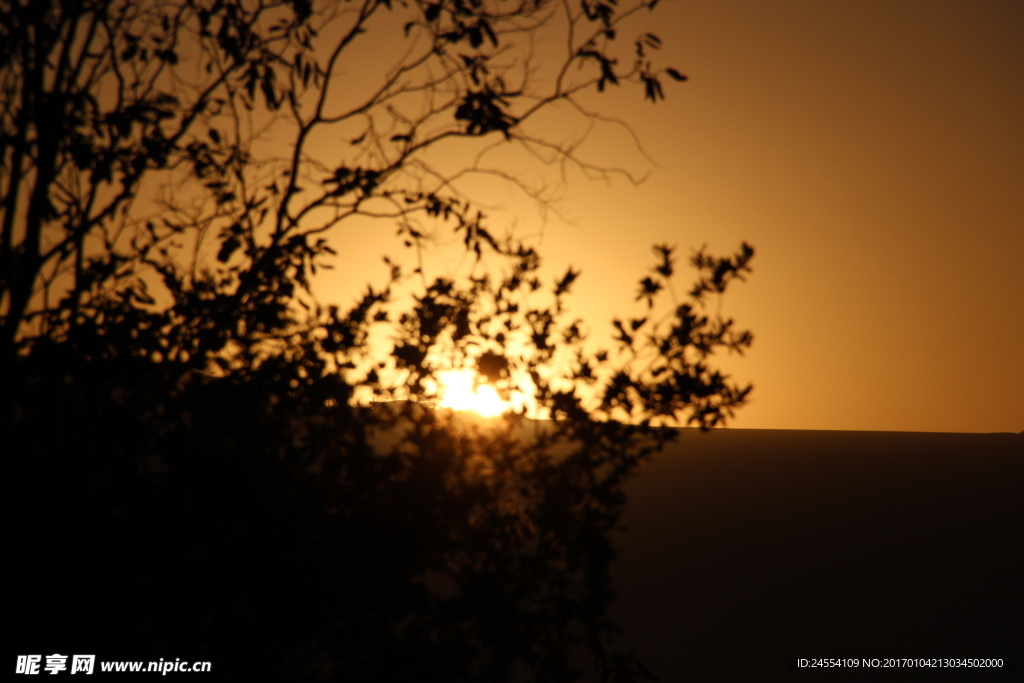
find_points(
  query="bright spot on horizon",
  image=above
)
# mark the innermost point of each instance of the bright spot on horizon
(458, 394)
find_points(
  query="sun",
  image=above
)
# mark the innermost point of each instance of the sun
(458, 394)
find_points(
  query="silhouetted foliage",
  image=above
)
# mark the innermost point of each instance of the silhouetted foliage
(194, 474)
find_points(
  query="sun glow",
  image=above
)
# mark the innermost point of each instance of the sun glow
(458, 393)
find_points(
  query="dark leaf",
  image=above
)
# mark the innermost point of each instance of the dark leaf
(267, 85)
(486, 26)
(652, 89)
(229, 247)
(562, 286)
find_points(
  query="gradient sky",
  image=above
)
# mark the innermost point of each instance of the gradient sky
(873, 154)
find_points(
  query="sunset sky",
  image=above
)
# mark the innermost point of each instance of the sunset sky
(873, 154)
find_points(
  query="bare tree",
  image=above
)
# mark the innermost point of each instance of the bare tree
(134, 134)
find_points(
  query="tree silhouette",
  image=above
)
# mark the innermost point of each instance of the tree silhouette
(195, 473)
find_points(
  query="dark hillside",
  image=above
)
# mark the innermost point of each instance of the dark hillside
(747, 546)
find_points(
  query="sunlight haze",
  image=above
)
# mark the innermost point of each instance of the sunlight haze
(458, 393)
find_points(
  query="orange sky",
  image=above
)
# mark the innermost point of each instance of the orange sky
(873, 154)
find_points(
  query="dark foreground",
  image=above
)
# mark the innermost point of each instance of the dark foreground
(747, 549)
